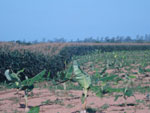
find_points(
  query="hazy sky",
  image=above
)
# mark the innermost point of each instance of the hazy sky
(72, 19)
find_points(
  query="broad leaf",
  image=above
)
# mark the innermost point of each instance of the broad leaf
(34, 110)
(31, 81)
(83, 79)
(116, 97)
(7, 75)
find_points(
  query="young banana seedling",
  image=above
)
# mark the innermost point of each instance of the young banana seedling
(65, 75)
(128, 90)
(14, 78)
(85, 81)
(26, 85)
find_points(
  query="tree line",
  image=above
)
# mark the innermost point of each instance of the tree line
(107, 39)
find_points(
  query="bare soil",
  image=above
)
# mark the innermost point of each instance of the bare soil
(70, 102)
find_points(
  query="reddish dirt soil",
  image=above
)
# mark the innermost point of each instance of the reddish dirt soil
(70, 102)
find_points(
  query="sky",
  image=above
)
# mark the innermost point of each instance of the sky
(72, 19)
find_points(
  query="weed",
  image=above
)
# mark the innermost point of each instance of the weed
(105, 106)
(70, 106)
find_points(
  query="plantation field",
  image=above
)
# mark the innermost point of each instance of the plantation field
(59, 102)
(120, 83)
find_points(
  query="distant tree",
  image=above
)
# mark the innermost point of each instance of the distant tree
(90, 39)
(128, 39)
(50, 41)
(98, 40)
(107, 39)
(139, 39)
(18, 41)
(60, 40)
(119, 39)
(35, 42)
(112, 40)
(78, 40)
(102, 39)
(147, 38)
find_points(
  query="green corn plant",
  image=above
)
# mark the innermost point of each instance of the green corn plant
(85, 81)
(27, 85)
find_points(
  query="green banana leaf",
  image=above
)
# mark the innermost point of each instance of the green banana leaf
(7, 75)
(31, 81)
(69, 72)
(83, 79)
(34, 109)
(12, 76)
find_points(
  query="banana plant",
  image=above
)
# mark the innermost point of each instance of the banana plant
(84, 80)
(26, 85)
(128, 90)
(65, 75)
(14, 78)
